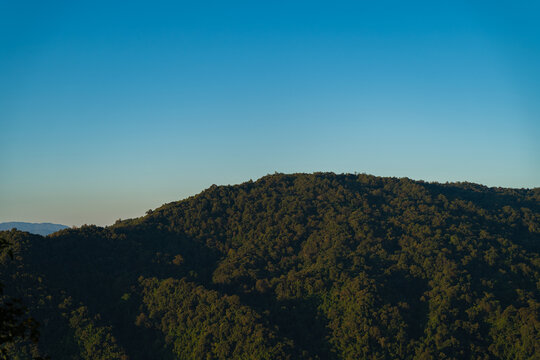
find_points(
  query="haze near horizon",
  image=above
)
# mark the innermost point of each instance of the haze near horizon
(110, 109)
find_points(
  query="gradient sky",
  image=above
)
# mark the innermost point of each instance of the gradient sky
(108, 109)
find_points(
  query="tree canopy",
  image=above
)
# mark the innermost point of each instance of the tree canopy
(301, 266)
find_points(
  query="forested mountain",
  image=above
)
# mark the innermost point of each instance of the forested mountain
(34, 228)
(303, 266)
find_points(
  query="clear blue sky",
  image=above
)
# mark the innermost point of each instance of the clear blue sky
(110, 108)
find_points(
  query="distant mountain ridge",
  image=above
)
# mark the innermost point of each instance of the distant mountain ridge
(34, 228)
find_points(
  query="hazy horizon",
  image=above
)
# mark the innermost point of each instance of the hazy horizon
(108, 110)
(139, 212)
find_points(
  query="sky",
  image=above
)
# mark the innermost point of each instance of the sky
(108, 109)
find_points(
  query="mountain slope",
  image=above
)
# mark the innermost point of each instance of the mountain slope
(318, 266)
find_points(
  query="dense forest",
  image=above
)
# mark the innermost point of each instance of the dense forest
(302, 266)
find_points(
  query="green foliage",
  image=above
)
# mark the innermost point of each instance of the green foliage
(305, 266)
(202, 324)
(95, 342)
